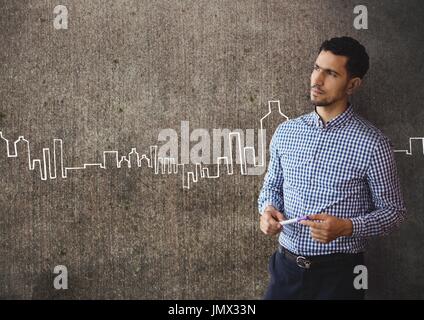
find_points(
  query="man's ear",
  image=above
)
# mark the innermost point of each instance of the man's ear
(353, 84)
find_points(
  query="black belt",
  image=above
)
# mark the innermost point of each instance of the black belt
(308, 262)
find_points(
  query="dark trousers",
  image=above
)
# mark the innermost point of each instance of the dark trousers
(329, 281)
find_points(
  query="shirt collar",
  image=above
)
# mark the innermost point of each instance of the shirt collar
(335, 122)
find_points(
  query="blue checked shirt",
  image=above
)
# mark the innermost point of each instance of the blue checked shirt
(344, 168)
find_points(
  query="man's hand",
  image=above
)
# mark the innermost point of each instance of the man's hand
(269, 222)
(328, 228)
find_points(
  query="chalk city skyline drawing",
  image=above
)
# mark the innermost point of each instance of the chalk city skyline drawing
(52, 163)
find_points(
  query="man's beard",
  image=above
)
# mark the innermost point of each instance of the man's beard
(322, 103)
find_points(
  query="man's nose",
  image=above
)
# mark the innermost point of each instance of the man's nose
(318, 79)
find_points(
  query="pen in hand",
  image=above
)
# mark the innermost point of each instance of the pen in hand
(290, 221)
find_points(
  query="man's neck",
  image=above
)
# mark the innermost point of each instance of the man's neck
(331, 111)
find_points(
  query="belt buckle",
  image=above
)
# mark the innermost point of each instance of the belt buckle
(302, 262)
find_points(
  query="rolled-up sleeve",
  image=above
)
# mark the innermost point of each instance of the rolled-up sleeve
(384, 186)
(272, 189)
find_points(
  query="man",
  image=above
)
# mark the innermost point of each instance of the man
(339, 169)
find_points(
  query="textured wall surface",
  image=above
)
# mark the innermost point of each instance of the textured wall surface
(124, 70)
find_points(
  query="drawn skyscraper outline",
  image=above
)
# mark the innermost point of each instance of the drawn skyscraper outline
(409, 151)
(49, 165)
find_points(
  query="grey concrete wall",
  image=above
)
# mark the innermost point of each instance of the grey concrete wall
(124, 70)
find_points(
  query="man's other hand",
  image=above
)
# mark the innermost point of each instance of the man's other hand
(327, 228)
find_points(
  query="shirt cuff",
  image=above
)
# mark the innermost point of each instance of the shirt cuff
(269, 203)
(357, 227)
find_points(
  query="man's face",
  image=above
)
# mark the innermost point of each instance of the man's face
(329, 79)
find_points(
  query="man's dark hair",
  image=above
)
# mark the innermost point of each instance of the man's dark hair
(358, 60)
